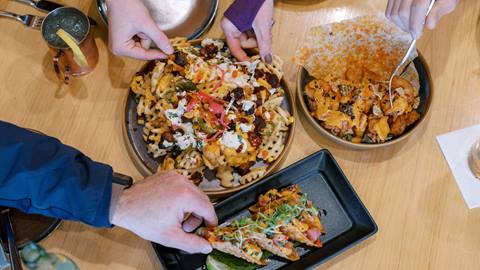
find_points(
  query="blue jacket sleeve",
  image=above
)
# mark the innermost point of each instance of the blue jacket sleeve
(39, 174)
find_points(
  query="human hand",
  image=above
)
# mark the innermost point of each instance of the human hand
(164, 208)
(132, 30)
(410, 14)
(236, 26)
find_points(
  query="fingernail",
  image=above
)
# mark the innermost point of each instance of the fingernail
(168, 50)
(207, 249)
(268, 58)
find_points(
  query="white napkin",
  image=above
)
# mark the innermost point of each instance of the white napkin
(455, 147)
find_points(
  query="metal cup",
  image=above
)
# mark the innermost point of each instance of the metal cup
(76, 23)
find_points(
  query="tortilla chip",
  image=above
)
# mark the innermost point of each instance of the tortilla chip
(268, 244)
(229, 248)
(295, 234)
(371, 42)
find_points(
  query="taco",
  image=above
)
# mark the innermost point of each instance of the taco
(295, 215)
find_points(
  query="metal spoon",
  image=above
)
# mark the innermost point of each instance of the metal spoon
(405, 58)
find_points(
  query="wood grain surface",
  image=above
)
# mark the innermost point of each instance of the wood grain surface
(408, 188)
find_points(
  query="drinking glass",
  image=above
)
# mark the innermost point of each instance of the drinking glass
(77, 25)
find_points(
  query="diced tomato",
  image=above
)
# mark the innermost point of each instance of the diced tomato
(279, 239)
(263, 201)
(263, 154)
(313, 234)
(289, 245)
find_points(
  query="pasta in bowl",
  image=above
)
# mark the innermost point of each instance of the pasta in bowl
(222, 123)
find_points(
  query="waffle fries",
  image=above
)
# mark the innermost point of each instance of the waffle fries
(210, 117)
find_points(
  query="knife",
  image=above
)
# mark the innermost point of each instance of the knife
(47, 6)
(15, 261)
(3, 259)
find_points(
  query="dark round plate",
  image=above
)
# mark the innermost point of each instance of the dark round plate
(191, 20)
(147, 165)
(30, 228)
(425, 93)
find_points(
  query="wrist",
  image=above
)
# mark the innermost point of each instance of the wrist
(120, 182)
(117, 192)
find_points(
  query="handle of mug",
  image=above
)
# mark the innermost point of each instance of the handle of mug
(66, 74)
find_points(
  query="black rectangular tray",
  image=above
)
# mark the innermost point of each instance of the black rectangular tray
(346, 220)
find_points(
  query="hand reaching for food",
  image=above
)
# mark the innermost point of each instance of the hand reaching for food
(165, 208)
(240, 19)
(410, 14)
(132, 31)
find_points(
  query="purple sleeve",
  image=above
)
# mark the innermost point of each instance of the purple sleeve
(242, 13)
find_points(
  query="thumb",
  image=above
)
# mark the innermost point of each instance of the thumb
(138, 52)
(440, 9)
(190, 242)
(232, 34)
(158, 37)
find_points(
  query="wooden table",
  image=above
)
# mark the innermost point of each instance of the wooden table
(422, 218)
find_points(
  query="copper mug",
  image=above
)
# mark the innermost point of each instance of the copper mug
(77, 25)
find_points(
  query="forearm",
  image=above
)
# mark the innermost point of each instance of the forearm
(38, 174)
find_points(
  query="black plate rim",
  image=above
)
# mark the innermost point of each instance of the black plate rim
(53, 226)
(369, 218)
(102, 11)
(55, 223)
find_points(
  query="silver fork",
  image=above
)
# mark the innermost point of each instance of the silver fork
(405, 58)
(31, 21)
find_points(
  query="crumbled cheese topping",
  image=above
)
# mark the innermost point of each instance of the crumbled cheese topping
(167, 144)
(201, 135)
(245, 127)
(182, 94)
(240, 80)
(231, 139)
(185, 141)
(247, 105)
(208, 41)
(188, 128)
(175, 115)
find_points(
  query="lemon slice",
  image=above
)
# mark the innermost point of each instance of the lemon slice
(78, 55)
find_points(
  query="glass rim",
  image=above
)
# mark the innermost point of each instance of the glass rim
(56, 12)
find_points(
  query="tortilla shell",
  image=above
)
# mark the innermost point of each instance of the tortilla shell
(229, 248)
